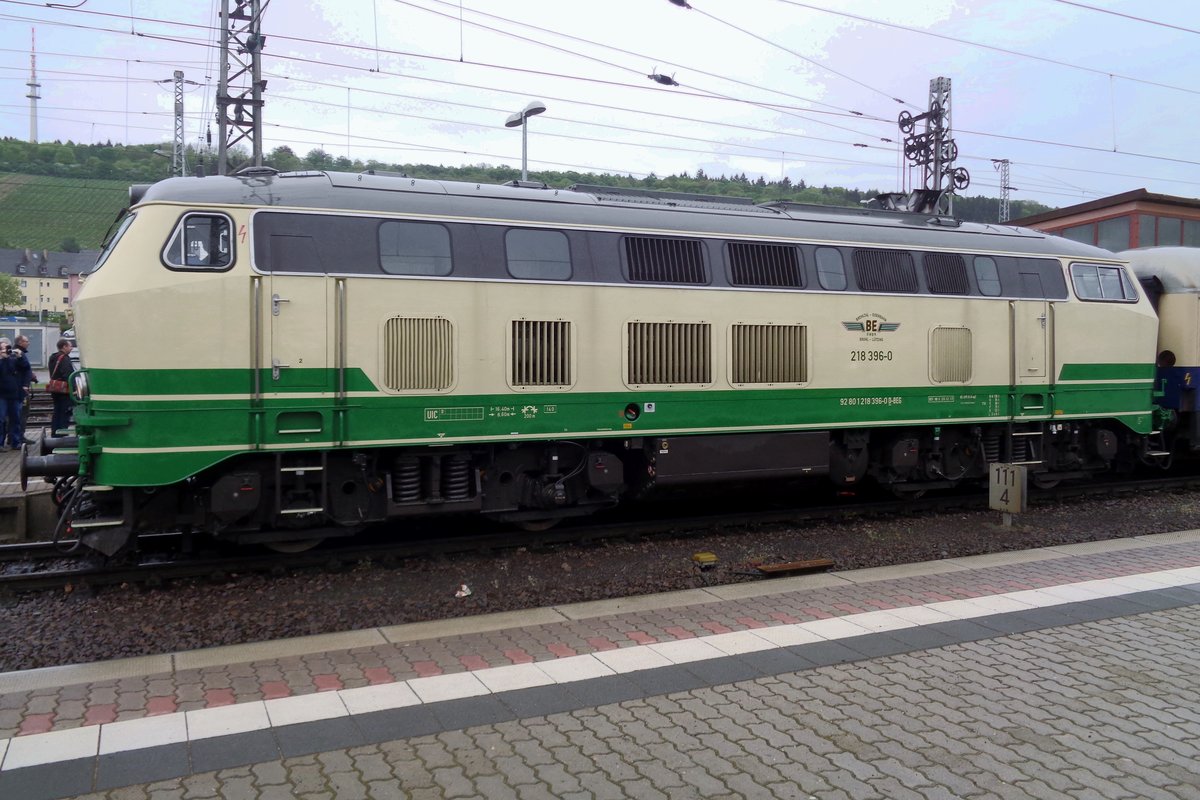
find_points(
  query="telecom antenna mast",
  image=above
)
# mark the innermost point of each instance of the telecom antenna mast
(241, 86)
(34, 95)
(934, 149)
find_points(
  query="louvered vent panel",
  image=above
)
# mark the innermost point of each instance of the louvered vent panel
(670, 352)
(418, 353)
(541, 353)
(950, 358)
(884, 271)
(770, 354)
(946, 273)
(765, 265)
(665, 260)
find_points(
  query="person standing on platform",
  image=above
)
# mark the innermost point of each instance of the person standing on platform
(27, 381)
(60, 370)
(10, 392)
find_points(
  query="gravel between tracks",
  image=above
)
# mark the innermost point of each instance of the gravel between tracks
(52, 629)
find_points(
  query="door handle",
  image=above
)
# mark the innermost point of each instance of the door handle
(275, 301)
(276, 365)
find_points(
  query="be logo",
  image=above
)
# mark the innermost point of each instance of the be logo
(871, 323)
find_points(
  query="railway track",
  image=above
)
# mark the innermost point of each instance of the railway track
(42, 566)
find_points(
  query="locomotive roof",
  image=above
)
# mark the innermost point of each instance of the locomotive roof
(1177, 268)
(593, 206)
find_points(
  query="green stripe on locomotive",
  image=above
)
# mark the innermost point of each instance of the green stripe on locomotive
(162, 426)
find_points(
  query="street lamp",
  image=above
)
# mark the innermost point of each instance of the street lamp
(518, 119)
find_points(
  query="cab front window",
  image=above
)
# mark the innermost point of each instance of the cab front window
(110, 240)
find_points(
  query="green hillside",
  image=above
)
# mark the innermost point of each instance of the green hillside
(40, 212)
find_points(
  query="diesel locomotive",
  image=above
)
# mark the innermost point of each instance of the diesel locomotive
(279, 358)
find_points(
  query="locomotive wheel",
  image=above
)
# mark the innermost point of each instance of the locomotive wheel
(293, 545)
(537, 525)
(1044, 481)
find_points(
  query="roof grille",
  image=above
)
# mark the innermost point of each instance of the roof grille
(665, 260)
(765, 265)
(884, 271)
(946, 273)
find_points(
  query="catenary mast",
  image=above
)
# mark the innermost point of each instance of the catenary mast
(239, 93)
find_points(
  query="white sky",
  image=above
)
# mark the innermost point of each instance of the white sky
(438, 91)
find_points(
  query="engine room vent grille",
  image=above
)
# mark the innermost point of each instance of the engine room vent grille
(950, 355)
(765, 265)
(946, 273)
(884, 271)
(541, 353)
(769, 354)
(669, 353)
(418, 353)
(665, 260)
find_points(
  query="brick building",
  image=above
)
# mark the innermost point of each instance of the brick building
(1125, 221)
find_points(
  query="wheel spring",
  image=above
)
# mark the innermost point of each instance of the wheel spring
(991, 448)
(406, 479)
(456, 478)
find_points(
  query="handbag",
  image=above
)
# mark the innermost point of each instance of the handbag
(54, 385)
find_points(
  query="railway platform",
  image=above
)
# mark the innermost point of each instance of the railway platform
(1058, 672)
(26, 513)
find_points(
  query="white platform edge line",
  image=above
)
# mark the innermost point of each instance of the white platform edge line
(816, 630)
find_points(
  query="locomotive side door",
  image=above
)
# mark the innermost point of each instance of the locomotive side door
(1031, 340)
(1032, 368)
(291, 305)
(297, 310)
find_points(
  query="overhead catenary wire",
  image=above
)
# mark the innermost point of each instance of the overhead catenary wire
(1045, 59)
(143, 32)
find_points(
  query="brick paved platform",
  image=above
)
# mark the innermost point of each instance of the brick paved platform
(1054, 672)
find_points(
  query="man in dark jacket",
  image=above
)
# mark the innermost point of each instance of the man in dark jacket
(27, 381)
(11, 370)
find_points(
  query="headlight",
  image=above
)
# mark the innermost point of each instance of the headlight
(80, 385)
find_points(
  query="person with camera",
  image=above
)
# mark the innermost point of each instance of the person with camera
(27, 380)
(60, 370)
(12, 369)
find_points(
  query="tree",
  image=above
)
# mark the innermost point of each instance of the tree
(69, 245)
(284, 159)
(318, 159)
(10, 292)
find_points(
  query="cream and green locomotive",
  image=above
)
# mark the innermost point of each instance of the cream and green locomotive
(279, 358)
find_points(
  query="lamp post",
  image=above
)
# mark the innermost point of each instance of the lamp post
(519, 119)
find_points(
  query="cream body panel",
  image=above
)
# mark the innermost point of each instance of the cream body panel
(206, 313)
(482, 313)
(1179, 327)
(1104, 333)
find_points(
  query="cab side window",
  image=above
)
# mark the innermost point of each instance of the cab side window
(1102, 282)
(200, 241)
